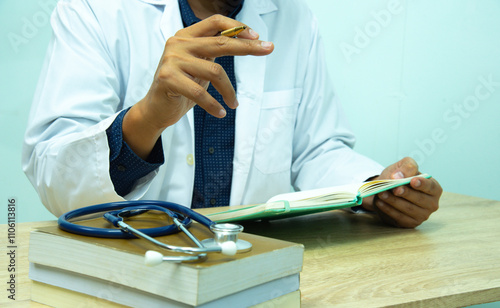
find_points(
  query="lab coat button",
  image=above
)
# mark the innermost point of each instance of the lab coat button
(190, 159)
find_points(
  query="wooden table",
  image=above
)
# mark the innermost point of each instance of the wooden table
(353, 260)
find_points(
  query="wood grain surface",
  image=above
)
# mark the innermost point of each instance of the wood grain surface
(353, 260)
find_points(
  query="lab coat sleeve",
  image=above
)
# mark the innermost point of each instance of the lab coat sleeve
(126, 168)
(323, 152)
(65, 152)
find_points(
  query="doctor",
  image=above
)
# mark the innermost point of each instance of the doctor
(124, 110)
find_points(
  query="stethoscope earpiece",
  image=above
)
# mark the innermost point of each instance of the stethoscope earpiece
(153, 258)
(228, 248)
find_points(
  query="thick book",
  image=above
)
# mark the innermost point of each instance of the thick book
(305, 202)
(121, 262)
(60, 288)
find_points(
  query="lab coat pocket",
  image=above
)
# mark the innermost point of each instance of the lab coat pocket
(273, 146)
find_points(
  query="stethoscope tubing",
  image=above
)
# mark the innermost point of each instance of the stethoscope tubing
(115, 212)
(66, 225)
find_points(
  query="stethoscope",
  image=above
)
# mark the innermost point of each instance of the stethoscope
(225, 238)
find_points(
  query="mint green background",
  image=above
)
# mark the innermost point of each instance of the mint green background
(413, 68)
(19, 69)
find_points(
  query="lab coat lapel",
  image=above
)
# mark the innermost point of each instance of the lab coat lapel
(171, 20)
(250, 73)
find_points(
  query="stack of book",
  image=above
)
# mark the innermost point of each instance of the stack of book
(69, 269)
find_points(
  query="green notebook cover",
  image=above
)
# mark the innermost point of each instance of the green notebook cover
(278, 209)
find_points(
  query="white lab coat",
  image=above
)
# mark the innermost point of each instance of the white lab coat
(290, 129)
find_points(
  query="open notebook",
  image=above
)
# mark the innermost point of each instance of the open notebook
(306, 202)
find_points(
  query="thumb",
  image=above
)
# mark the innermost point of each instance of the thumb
(406, 167)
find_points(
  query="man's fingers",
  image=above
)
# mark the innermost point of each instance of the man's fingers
(213, 47)
(406, 167)
(187, 66)
(422, 192)
(394, 216)
(187, 87)
(213, 72)
(415, 197)
(428, 186)
(215, 24)
(411, 203)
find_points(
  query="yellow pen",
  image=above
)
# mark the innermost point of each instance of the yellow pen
(233, 31)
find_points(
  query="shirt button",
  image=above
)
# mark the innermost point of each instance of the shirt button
(211, 150)
(121, 168)
(190, 159)
(213, 201)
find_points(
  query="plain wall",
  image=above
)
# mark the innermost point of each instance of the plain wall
(421, 79)
(24, 33)
(416, 78)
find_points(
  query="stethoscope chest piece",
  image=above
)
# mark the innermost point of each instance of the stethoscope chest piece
(225, 232)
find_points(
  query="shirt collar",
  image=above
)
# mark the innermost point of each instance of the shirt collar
(188, 17)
